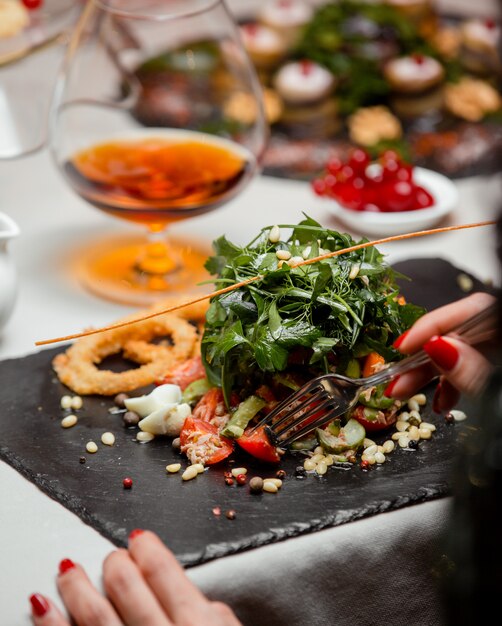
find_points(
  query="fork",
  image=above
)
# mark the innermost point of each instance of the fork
(333, 395)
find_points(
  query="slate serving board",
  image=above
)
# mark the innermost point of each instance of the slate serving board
(181, 513)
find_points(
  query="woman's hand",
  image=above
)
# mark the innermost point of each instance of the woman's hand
(144, 585)
(463, 368)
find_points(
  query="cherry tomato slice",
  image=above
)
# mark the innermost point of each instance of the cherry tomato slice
(372, 360)
(186, 373)
(259, 446)
(210, 450)
(373, 426)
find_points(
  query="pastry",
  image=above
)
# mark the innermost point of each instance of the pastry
(264, 45)
(371, 125)
(307, 89)
(241, 107)
(416, 82)
(471, 99)
(13, 18)
(287, 17)
(479, 48)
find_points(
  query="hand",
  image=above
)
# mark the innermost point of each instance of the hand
(144, 585)
(463, 368)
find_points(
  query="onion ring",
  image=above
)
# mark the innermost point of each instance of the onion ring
(77, 368)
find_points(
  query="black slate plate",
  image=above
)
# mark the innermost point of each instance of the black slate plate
(181, 513)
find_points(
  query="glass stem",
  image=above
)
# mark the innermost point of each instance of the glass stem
(156, 259)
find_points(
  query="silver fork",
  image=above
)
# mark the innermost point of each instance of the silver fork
(333, 395)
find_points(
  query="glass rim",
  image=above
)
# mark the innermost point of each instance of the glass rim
(139, 14)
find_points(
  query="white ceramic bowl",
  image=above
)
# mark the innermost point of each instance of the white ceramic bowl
(442, 189)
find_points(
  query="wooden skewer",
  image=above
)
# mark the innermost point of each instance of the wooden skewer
(219, 292)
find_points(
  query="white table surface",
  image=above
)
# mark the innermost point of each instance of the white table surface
(36, 532)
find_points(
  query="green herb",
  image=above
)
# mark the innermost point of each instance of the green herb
(308, 319)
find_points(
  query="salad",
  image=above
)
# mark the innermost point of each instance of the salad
(264, 340)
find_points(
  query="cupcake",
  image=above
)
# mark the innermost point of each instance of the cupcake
(306, 89)
(416, 82)
(264, 45)
(472, 99)
(479, 46)
(287, 17)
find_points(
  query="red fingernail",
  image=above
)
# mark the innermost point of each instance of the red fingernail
(444, 354)
(39, 605)
(65, 565)
(435, 399)
(134, 533)
(390, 388)
(400, 339)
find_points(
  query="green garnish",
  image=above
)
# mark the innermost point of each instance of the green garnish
(307, 319)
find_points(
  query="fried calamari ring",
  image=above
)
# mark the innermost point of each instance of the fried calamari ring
(77, 367)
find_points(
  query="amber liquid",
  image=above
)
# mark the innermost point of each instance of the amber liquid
(156, 180)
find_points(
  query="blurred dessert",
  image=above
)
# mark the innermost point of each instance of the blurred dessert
(371, 125)
(447, 41)
(480, 42)
(264, 45)
(472, 99)
(420, 12)
(307, 91)
(14, 18)
(242, 107)
(416, 82)
(287, 17)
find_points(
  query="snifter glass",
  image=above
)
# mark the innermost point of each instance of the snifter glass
(157, 117)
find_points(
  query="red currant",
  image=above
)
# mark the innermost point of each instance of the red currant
(390, 155)
(390, 169)
(398, 196)
(319, 186)
(423, 199)
(359, 160)
(349, 196)
(334, 165)
(405, 172)
(32, 4)
(127, 482)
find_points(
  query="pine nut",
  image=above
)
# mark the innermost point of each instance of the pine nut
(413, 433)
(239, 470)
(329, 460)
(76, 403)
(367, 457)
(354, 271)
(173, 468)
(190, 472)
(91, 447)
(388, 446)
(380, 449)
(321, 468)
(65, 402)
(306, 252)
(403, 442)
(295, 260)
(368, 442)
(144, 437)
(413, 405)
(420, 398)
(319, 450)
(309, 465)
(402, 426)
(277, 482)
(415, 415)
(269, 486)
(108, 439)
(397, 436)
(458, 416)
(465, 282)
(275, 234)
(199, 467)
(371, 450)
(283, 255)
(404, 416)
(380, 457)
(424, 433)
(317, 458)
(428, 426)
(69, 421)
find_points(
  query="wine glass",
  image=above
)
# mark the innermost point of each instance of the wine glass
(157, 117)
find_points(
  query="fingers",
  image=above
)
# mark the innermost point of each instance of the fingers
(464, 367)
(410, 383)
(129, 593)
(179, 597)
(45, 613)
(441, 321)
(83, 601)
(445, 397)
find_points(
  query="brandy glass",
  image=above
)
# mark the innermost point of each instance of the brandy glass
(157, 117)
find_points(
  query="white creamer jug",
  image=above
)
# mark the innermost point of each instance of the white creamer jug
(8, 275)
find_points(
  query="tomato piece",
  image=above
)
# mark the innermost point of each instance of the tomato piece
(259, 446)
(205, 409)
(186, 373)
(202, 449)
(372, 360)
(383, 420)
